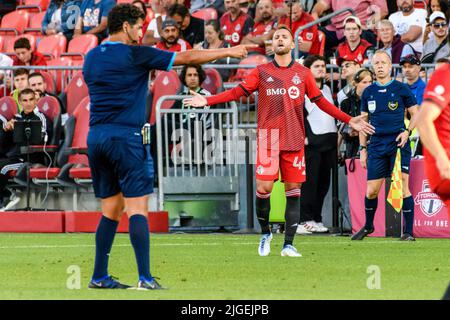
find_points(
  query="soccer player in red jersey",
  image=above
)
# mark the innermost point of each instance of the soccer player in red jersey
(434, 129)
(282, 85)
(235, 23)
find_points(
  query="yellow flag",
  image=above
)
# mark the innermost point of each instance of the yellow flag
(395, 196)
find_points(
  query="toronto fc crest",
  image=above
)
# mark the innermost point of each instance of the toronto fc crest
(430, 203)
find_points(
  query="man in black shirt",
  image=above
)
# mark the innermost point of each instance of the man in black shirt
(14, 158)
(192, 28)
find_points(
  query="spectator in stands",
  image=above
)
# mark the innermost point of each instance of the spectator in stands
(351, 106)
(154, 28)
(438, 46)
(170, 38)
(37, 82)
(309, 38)
(264, 27)
(61, 17)
(20, 83)
(192, 77)
(433, 6)
(192, 28)
(15, 158)
(392, 43)
(25, 56)
(441, 62)
(410, 23)
(5, 61)
(214, 39)
(348, 71)
(320, 152)
(369, 13)
(354, 48)
(94, 18)
(141, 5)
(411, 69)
(235, 23)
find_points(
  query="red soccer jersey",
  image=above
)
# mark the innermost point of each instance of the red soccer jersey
(180, 46)
(438, 91)
(310, 34)
(260, 29)
(235, 30)
(345, 53)
(37, 59)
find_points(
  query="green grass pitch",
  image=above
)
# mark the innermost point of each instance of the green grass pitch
(226, 266)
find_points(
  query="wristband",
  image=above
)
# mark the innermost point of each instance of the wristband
(362, 147)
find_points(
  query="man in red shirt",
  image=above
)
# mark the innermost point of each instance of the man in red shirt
(170, 37)
(282, 86)
(354, 48)
(434, 128)
(309, 38)
(25, 56)
(235, 23)
(264, 29)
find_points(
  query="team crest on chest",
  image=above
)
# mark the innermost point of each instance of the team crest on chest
(393, 105)
(296, 79)
(309, 36)
(372, 106)
(238, 27)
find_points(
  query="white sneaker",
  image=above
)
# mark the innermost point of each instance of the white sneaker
(320, 228)
(264, 245)
(302, 228)
(290, 251)
(12, 202)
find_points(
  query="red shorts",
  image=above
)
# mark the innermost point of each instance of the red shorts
(290, 163)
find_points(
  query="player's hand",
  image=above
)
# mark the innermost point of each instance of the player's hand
(363, 158)
(443, 165)
(240, 51)
(402, 139)
(358, 123)
(10, 125)
(196, 101)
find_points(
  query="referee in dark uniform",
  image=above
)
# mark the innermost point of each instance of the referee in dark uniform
(384, 104)
(117, 73)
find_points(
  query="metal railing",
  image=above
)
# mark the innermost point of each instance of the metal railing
(315, 22)
(197, 147)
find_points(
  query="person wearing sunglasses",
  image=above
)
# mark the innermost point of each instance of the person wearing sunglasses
(438, 46)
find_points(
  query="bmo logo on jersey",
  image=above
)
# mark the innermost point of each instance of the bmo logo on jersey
(293, 92)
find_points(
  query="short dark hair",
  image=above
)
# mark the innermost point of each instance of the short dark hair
(20, 72)
(24, 92)
(142, 4)
(200, 71)
(123, 13)
(309, 61)
(178, 9)
(36, 74)
(443, 60)
(22, 43)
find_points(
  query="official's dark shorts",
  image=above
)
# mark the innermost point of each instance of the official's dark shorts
(119, 162)
(381, 153)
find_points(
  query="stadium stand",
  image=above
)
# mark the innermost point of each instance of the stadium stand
(75, 91)
(35, 26)
(206, 14)
(9, 47)
(14, 22)
(256, 59)
(61, 77)
(52, 46)
(49, 106)
(213, 81)
(166, 83)
(8, 108)
(33, 6)
(79, 47)
(49, 81)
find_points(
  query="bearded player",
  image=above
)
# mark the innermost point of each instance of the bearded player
(434, 129)
(282, 85)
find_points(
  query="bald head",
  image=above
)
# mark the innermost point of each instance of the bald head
(265, 10)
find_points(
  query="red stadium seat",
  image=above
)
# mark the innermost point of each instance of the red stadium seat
(421, 4)
(255, 59)
(52, 46)
(80, 46)
(49, 81)
(35, 25)
(75, 91)
(8, 108)
(61, 76)
(9, 48)
(213, 81)
(49, 106)
(14, 22)
(2, 42)
(166, 83)
(34, 5)
(206, 14)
